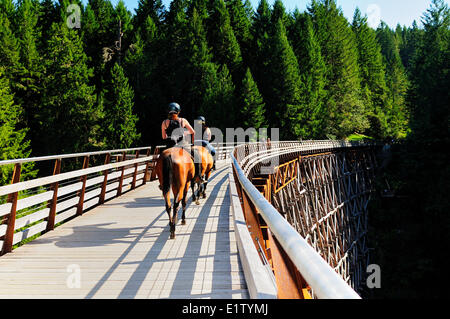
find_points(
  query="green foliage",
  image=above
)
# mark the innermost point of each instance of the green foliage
(149, 8)
(68, 115)
(345, 109)
(313, 74)
(120, 121)
(418, 173)
(223, 42)
(286, 92)
(397, 83)
(13, 141)
(252, 109)
(429, 96)
(240, 23)
(9, 49)
(372, 73)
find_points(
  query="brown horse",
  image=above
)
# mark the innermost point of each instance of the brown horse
(175, 169)
(204, 162)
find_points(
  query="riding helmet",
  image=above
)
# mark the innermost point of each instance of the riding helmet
(174, 108)
(202, 119)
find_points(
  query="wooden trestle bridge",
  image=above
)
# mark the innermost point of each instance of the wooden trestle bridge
(281, 220)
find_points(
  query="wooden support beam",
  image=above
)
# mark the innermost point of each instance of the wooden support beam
(133, 183)
(290, 283)
(119, 188)
(52, 204)
(153, 164)
(11, 219)
(83, 187)
(146, 177)
(105, 180)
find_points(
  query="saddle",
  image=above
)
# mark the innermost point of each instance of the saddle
(195, 156)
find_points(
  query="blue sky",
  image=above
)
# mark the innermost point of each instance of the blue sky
(389, 11)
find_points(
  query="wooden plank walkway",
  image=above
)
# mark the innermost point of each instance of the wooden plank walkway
(121, 249)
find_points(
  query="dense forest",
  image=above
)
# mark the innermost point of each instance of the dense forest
(106, 82)
(103, 80)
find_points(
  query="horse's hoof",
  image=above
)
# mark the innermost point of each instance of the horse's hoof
(204, 195)
(183, 222)
(172, 236)
(197, 202)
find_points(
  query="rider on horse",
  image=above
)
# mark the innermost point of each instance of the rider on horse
(173, 128)
(173, 131)
(205, 138)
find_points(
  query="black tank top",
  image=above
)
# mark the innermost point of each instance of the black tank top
(173, 125)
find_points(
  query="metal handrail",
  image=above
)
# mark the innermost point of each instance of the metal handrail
(321, 277)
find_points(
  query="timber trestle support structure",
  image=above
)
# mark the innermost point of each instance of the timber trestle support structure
(322, 189)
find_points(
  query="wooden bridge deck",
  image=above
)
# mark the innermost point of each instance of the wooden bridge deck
(121, 249)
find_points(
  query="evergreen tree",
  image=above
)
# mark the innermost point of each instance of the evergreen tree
(253, 107)
(69, 118)
(261, 24)
(287, 89)
(120, 121)
(7, 8)
(48, 14)
(28, 88)
(420, 166)
(259, 61)
(429, 96)
(100, 36)
(313, 74)
(142, 66)
(396, 81)
(372, 74)
(173, 69)
(153, 8)
(9, 50)
(13, 142)
(123, 19)
(199, 64)
(344, 104)
(279, 12)
(240, 22)
(223, 42)
(411, 41)
(217, 96)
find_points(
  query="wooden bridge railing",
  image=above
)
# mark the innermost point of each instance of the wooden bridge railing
(37, 205)
(295, 267)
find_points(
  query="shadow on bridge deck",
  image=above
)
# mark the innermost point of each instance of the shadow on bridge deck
(121, 250)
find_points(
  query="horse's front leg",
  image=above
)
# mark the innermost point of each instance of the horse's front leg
(208, 174)
(183, 203)
(199, 188)
(194, 199)
(204, 189)
(173, 221)
(169, 213)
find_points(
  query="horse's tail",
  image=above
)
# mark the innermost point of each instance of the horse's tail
(167, 173)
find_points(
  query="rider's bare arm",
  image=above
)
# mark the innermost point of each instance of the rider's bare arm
(163, 130)
(207, 136)
(190, 130)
